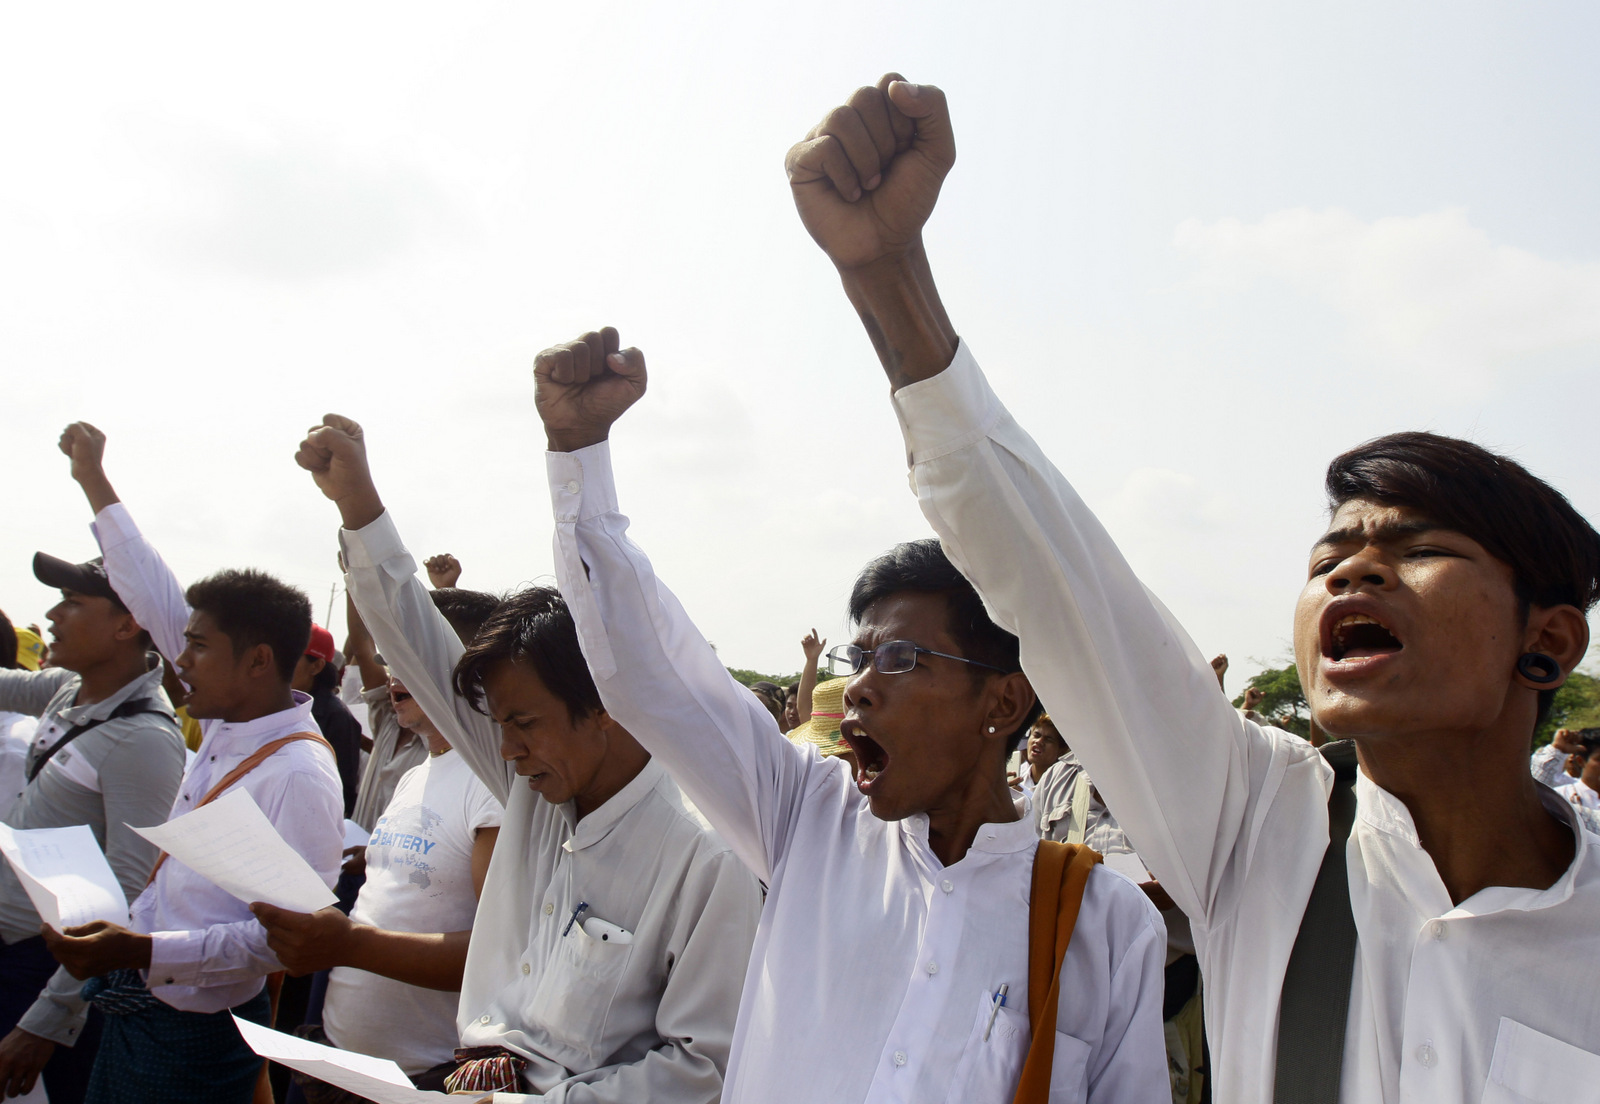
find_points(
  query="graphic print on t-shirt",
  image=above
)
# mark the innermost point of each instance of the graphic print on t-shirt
(407, 839)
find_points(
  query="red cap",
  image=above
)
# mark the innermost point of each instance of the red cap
(321, 644)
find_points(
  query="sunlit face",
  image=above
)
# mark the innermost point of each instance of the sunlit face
(562, 759)
(1405, 627)
(406, 709)
(86, 630)
(1045, 745)
(218, 679)
(918, 738)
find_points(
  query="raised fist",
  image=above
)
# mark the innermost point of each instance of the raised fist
(443, 570)
(335, 453)
(866, 178)
(582, 387)
(86, 447)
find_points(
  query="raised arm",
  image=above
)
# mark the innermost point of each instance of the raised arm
(1193, 784)
(417, 642)
(813, 646)
(360, 648)
(136, 570)
(656, 674)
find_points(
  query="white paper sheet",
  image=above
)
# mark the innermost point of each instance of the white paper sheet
(233, 845)
(355, 835)
(1130, 864)
(377, 1079)
(65, 875)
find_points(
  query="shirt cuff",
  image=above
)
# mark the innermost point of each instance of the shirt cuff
(947, 412)
(175, 958)
(114, 526)
(581, 485)
(59, 1014)
(373, 545)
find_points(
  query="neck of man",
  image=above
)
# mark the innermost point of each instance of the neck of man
(625, 758)
(437, 744)
(99, 681)
(1035, 772)
(1475, 805)
(953, 823)
(274, 700)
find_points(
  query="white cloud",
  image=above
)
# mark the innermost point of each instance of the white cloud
(1427, 298)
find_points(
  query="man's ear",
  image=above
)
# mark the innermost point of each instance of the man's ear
(127, 628)
(1560, 632)
(260, 661)
(1012, 702)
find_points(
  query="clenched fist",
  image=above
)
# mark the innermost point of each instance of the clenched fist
(335, 453)
(866, 177)
(584, 386)
(444, 570)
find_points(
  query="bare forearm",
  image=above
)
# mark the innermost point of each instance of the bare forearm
(431, 960)
(97, 489)
(808, 683)
(900, 307)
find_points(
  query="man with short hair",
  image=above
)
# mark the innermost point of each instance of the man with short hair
(192, 952)
(606, 956)
(1443, 606)
(1043, 748)
(896, 940)
(121, 767)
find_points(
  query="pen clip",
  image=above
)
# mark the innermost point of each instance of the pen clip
(573, 919)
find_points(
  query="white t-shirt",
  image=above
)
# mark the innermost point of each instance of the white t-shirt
(419, 879)
(16, 732)
(1579, 794)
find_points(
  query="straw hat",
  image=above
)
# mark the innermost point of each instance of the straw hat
(827, 710)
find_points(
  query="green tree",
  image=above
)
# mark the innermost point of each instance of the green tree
(747, 677)
(1283, 702)
(1577, 705)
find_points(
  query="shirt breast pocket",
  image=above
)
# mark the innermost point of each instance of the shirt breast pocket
(988, 1068)
(1530, 1067)
(575, 993)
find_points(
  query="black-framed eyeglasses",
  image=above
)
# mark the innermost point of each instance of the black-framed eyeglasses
(894, 657)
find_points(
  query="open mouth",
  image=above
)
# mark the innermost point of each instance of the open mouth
(1358, 636)
(871, 759)
(399, 696)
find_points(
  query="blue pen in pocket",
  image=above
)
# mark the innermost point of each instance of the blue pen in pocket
(999, 1002)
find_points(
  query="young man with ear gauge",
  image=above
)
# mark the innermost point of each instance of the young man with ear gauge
(1442, 608)
(192, 952)
(611, 937)
(107, 753)
(896, 936)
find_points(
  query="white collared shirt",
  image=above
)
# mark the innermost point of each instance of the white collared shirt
(636, 1000)
(208, 952)
(875, 969)
(1476, 1002)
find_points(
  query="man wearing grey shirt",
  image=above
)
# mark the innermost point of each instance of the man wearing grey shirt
(122, 766)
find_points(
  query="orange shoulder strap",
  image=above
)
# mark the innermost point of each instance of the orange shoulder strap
(1060, 873)
(248, 764)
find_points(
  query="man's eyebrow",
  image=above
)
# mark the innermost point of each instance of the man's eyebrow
(1383, 532)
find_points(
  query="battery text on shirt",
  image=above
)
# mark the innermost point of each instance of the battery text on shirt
(404, 841)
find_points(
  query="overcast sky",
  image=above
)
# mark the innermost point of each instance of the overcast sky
(1198, 248)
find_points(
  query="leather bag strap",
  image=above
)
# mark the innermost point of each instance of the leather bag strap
(1060, 874)
(1316, 986)
(249, 763)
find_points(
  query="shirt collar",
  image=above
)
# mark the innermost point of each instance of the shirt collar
(598, 824)
(147, 685)
(994, 838)
(297, 718)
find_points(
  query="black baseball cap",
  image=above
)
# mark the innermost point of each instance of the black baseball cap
(85, 578)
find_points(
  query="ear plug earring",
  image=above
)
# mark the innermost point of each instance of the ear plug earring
(991, 728)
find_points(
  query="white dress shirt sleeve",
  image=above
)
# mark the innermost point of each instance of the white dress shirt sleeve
(306, 816)
(1549, 765)
(419, 645)
(1192, 782)
(660, 678)
(142, 580)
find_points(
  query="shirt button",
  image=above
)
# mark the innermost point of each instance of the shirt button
(549, 908)
(1427, 1056)
(933, 968)
(899, 1057)
(526, 968)
(1438, 929)
(947, 885)
(572, 486)
(484, 1018)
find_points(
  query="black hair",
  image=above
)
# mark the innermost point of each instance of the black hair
(533, 627)
(325, 681)
(1519, 519)
(1590, 739)
(922, 566)
(8, 644)
(466, 610)
(251, 607)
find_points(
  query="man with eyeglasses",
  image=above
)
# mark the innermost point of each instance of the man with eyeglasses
(892, 959)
